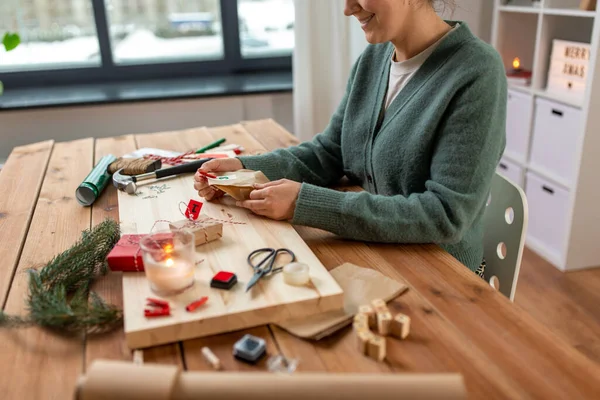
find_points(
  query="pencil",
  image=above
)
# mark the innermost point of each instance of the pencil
(211, 146)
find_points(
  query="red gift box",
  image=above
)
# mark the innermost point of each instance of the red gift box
(126, 256)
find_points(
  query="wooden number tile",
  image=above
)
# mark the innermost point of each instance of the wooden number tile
(384, 323)
(379, 305)
(401, 326)
(361, 323)
(376, 348)
(362, 340)
(370, 313)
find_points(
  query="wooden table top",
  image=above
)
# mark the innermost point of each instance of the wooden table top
(459, 323)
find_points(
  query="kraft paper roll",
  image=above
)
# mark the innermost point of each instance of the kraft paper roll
(125, 381)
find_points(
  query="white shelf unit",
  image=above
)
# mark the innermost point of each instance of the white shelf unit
(553, 139)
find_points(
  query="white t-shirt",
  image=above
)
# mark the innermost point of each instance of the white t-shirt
(402, 72)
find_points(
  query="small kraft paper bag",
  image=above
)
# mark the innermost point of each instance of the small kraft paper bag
(238, 184)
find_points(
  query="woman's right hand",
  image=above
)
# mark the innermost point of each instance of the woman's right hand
(217, 165)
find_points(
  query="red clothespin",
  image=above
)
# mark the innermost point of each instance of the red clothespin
(192, 306)
(193, 210)
(157, 312)
(160, 308)
(157, 303)
(206, 174)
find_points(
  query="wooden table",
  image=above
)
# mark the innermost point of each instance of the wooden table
(459, 323)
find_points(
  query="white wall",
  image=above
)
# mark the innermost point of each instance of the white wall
(69, 123)
(476, 13)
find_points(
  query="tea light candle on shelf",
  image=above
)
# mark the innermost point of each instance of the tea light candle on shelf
(169, 261)
(516, 65)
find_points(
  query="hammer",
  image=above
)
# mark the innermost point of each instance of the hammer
(128, 183)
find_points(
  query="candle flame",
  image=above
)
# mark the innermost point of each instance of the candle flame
(516, 63)
(168, 248)
(169, 262)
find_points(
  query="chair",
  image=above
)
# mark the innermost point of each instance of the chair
(506, 218)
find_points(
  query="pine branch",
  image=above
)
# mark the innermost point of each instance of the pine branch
(80, 264)
(59, 293)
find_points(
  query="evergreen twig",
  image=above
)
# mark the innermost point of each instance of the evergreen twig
(59, 293)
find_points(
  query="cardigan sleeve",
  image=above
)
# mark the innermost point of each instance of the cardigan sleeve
(468, 147)
(318, 161)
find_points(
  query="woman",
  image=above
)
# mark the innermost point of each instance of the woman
(421, 128)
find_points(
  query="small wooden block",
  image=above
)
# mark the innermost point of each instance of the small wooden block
(205, 229)
(360, 325)
(376, 348)
(384, 323)
(370, 313)
(362, 341)
(362, 318)
(379, 305)
(401, 326)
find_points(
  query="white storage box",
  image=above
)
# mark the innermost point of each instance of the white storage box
(548, 208)
(511, 171)
(519, 114)
(556, 134)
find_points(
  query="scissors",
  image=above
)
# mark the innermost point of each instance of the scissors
(260, 270)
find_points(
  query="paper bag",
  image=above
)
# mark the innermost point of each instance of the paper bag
(238, 184)
(360, 286)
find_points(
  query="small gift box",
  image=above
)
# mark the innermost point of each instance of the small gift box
(205, 229)
(126, 255)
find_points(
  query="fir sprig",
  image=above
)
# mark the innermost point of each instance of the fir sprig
(59, 293)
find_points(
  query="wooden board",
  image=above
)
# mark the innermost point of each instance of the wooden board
(109, 346)
(20, 180)
(35, 362)
(270, 301)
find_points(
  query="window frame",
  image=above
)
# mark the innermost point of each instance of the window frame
(231, 64)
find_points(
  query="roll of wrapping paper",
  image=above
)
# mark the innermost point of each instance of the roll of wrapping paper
(93, 184)
(125, 381)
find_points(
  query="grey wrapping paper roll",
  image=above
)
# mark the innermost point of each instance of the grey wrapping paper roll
(126, 381)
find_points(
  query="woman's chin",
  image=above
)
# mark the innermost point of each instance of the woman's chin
(373, 38)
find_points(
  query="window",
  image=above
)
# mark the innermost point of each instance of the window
(158, 31)
(54, 34)
(94, 41)
(260, 36)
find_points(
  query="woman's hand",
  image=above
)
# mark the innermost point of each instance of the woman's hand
(275, 200)
(217, 165)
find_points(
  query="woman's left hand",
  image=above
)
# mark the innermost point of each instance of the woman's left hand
(275, 200)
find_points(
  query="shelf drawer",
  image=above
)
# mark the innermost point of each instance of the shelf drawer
(511, 171)
(548, 209)
(519, 113)
(556, 133)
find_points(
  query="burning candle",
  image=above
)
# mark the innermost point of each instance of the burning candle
(516, 64)
(169, 261)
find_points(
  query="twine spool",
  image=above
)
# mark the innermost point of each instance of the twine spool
(134, 166)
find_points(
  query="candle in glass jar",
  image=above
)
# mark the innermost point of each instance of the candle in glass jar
(171, 276)
(169, 261)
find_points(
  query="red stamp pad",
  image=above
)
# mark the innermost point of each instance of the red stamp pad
(223, 280)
